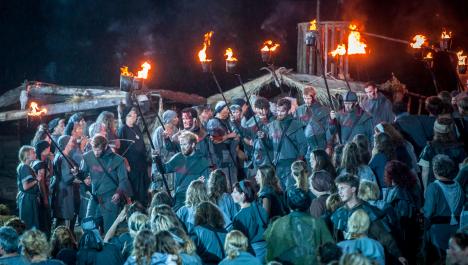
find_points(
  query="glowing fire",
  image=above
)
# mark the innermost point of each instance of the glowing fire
(446, 35)
(355, 46)
(419, 40)
(229, 55)
(428, 56)
(206, 44)
(461, 58)
(269, 46)
(124, 71)
(35, 110)
(313, 25)
(144, 72)
(340, 50)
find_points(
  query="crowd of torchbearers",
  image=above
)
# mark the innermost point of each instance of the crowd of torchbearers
(248, 182)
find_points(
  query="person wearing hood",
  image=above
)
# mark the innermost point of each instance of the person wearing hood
(133, 148)
(93, 250)
(294, 238)
(110, 184)
(56, 129)
(286, 136)
(63, 196)
(43, 168)
(443, 205)
(377, 105)
(165, 139)
(351, 121)
(225, 139)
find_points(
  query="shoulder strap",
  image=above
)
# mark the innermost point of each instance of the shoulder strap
(220, 243)
(264, 223)
(106, 172)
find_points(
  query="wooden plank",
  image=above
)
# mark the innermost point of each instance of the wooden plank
(11, 96)
(68, 107)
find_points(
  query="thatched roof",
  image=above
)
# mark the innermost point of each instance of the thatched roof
(292, 80)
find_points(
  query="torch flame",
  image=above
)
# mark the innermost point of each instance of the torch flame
(35, 110)
(446, 35)
(355, 45)
(124, 71)
(269, 46)
(229, 55)
(313, 25)
(144, 72)
(206, 44)
(428, 56)
(340, 50)
(461, 58)
(419, 40)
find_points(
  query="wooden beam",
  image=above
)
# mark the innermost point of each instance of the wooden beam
(11, 96)
(69, 107)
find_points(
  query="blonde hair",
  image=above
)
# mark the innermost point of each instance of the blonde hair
(136, 222)
(235, 243)
(358, 224)
(189, 136)
(34, 243)
(196, 193)
(299, 172)
(161, 222)
(333, 202)
(355, 259)
(368, 191)
(23, 153)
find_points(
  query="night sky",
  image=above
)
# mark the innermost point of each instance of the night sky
(85, 42)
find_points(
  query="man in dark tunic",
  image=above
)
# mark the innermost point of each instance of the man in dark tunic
(350, 122)
(286, 136)
(314, 118)
(225, 142)
(258, 151)
(188, 165)
(135, 153)
(417, 129)
(109, 181)
(377, 105)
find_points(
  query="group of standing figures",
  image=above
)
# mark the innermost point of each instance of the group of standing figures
(256, 162)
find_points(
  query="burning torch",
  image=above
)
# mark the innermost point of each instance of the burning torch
(310, 37)
(36, 111)
(461, 63)
(445, 41)
(206, 63)
(268, 51)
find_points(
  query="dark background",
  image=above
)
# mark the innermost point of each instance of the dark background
(85, 42)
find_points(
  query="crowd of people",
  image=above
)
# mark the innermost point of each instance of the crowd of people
(262, 183)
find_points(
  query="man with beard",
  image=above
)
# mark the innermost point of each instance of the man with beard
(287, 138)
(188, 165)
(377, 105)
(225, 142)
(314, 119)
(109, 180)
(350, 122)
